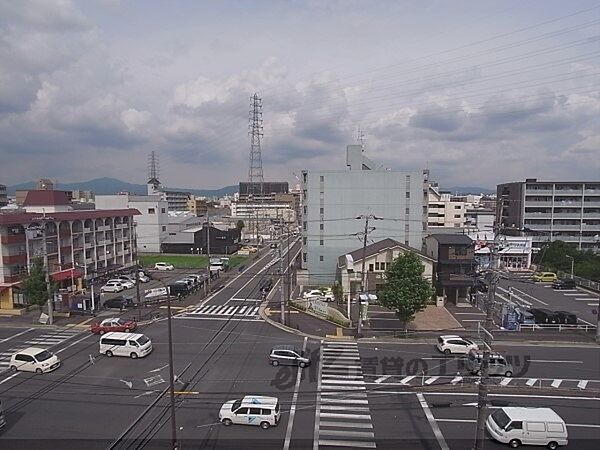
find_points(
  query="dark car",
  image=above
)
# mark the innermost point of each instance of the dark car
(265, 285)
(274, 245)
(544, 316)
(564, 284)
(119, 302)
(180, 288)
(566, 317)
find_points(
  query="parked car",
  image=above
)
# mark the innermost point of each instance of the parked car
(143, 277)
(453, 343)
(34, 359)
(312, 293)
(544, 316)
(249, 249)
(564, 284)
(163, 266)
(545, 277)
(112, 286)
(119, 302)
(127, 278)
(113, 324)
(525, 317)
(287, 355)
(497, 364)
(125, 283)
(179, 289)
(566, 317)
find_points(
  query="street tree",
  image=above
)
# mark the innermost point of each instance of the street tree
(34, 284)
(406, 291)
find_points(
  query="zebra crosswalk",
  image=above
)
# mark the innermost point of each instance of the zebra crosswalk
(243, 312)
(342, 415)
(45, 341)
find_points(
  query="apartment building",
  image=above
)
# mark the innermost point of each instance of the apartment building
(443, 211)
(334, 201)
(151, 222)
(3, 196)
(551, 210)
(77, 244)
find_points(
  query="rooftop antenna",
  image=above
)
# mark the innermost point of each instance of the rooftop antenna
(360, 137)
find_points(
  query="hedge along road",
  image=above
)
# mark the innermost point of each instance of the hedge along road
(186, 261)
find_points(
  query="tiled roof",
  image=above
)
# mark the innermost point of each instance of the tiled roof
(46, 198)
(452, 238)
(378, 247)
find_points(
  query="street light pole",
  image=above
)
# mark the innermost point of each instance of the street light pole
(572, 264)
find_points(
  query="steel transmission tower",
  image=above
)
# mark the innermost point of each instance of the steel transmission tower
(255, 172)
(153, 166)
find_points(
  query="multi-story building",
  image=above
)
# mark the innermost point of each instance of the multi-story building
(76, 244)
(247, 211)
(197, 206)
(151, 223)
(550, 210)
(334, 201)
(262, 191)
(3, 196)
(443, 211)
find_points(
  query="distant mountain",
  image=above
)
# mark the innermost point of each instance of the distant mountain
(469, 190)
(107, 186)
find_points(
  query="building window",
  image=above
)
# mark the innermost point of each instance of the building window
(321, 258)
(305, 209)
(304, 257)
(322, 179)
(164, 228)
(163, 210)
(457, 216)
(406, 228)
(376, 266)
(304, 225)
(151, 211)
(322, 210)
(407, 194)
(457, 207)
(370, 267)
(321, 242)
(407, 211)
(406, 242)
(305, 177)
(304, 239)
(408, 178)
(321, 226)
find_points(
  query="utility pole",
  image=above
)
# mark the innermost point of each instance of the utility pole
(47, 277)
(174, 443)
(137, 291)
(482, 394)
(281, 289)
(363, 282)
(208, 250)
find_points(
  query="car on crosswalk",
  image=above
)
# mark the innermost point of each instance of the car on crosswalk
(452, 343)
(34, 359)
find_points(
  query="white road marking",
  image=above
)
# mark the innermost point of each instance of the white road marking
(318, 405)
(574, 295)
(352, 401)
(586, 322)
(290, 425)
(343, 408)
(582, 384)
(456, 380)
(505, 381)
(325, 423)
(383, 378)
(363, 434)
(434, 426)
(345, 416)
(406, 379)
(431, 380)
(556, 383)
(74, 343)
(346, 444)
(552, 361)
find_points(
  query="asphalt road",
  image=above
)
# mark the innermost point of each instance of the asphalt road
(354, 395)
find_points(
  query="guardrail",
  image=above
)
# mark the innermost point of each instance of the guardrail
(555, 326)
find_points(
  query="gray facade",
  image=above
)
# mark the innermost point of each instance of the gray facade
(333, 200)
(568, 211)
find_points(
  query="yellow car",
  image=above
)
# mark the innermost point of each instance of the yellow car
(545, 277)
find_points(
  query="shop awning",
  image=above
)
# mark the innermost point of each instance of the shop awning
(66, 274)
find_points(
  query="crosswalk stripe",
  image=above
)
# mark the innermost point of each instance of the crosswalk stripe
(352, 401)
(337, 424)
(431, 380)
(363, 434)
(407, 379)
(361, 382)
(346, 444)
(342, 387)
(556, 383)
(344, 408)
(582, 384)
(383, 378)
(242, 309)
(346, 416)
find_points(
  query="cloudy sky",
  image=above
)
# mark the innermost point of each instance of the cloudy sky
(480, 92)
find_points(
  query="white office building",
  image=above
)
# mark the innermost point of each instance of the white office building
(333, 199)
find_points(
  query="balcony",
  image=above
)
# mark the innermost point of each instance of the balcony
(538, 192)
(594, 192)
(537, 215)
(537, 203)
(567, 204)
(14, 259)
(575, 228)
(563, 215)
(14, 278)
(540, 227)
(568, 191)
(12, 239)
(88, 230)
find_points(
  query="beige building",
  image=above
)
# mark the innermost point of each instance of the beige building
(378, 257)
(443, 211)
(197, 206)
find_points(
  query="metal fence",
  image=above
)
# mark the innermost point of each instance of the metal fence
(583, 282)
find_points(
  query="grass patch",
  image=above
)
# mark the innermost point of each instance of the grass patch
(186, 261)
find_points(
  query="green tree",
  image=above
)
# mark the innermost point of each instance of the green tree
(406, 290)
(34, 285)
(240, 225)
(554, 256)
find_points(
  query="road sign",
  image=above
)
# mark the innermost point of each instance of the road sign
(44, 318)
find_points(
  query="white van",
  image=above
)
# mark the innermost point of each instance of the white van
(529, 426)
(251, 410)
(134, 345)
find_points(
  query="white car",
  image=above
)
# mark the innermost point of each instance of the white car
(251, 410)
(34, 359)
(312, 294)
(125, 283)
(163, 266)
(453, 343)
(143, 278)
(112, 286)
